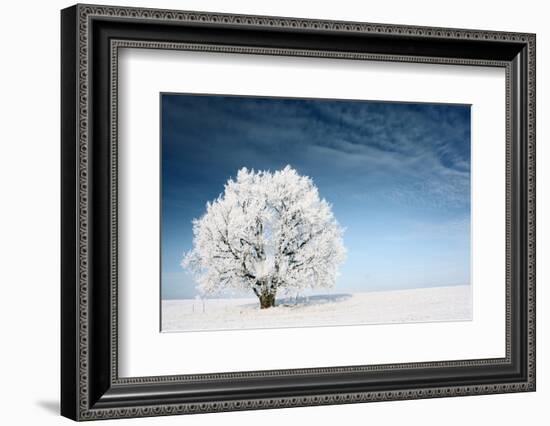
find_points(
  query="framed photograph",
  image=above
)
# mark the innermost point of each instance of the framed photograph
(263, 212)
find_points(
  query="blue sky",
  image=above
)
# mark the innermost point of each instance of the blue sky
(397, 175)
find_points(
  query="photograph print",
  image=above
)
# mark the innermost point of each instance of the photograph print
(299, 212)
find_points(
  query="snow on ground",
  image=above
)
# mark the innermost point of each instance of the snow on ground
(382, 307)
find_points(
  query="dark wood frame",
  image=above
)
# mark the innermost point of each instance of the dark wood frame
(90, 386)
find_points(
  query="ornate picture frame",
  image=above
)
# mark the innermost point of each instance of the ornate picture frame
(91, 38)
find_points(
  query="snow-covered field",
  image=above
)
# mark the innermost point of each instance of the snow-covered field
(382, 307)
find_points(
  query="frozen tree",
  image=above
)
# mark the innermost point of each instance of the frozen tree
(267, 233)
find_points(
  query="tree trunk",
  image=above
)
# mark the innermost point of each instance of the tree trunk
(267, 300)
(265, 291)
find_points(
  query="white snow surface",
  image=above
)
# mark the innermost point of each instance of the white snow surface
(453, 303)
